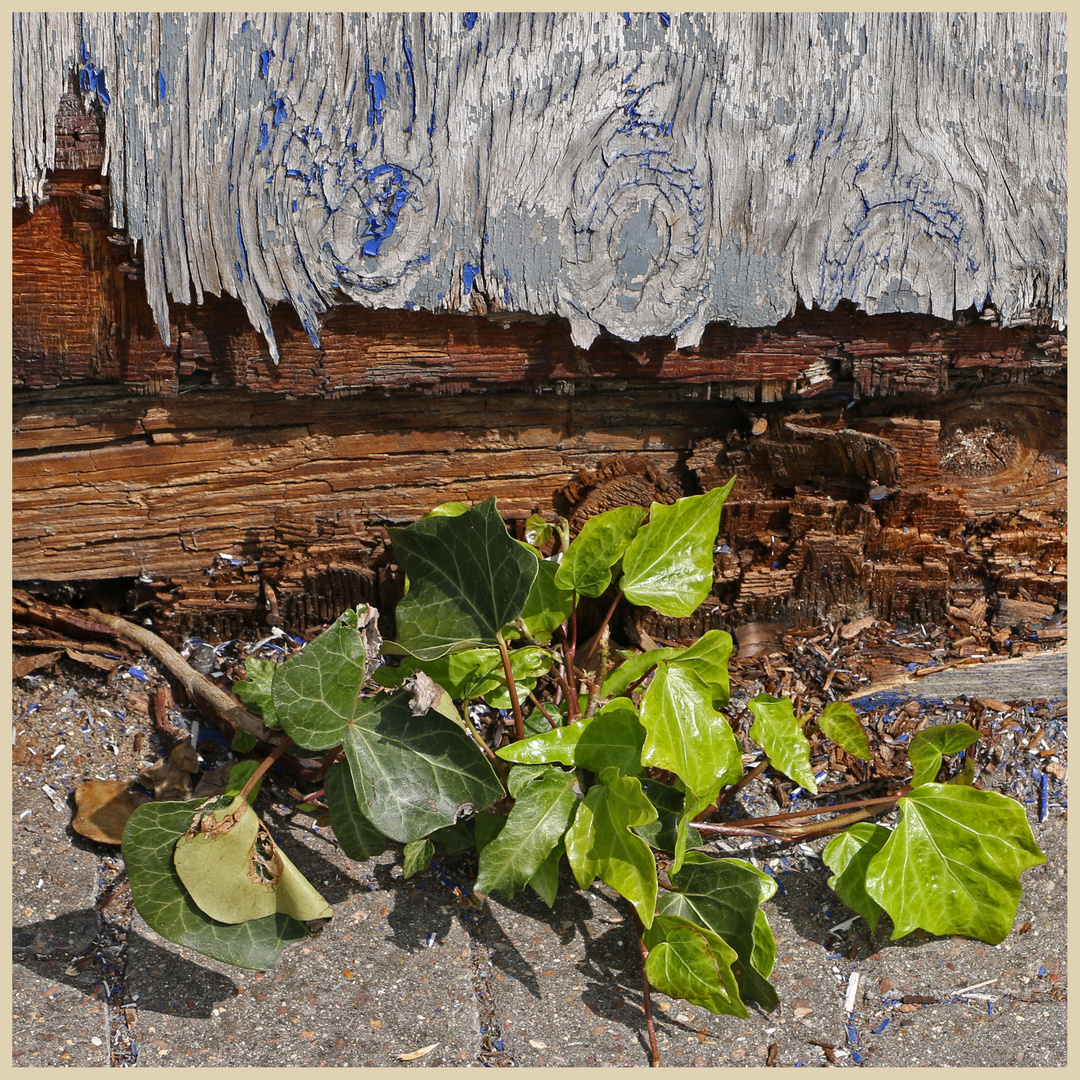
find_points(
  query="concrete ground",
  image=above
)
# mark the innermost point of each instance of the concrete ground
(405, 976)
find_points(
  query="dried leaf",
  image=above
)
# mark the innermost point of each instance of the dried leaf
(104, 807)
(167, 783)
(417, 1053)
(184, 756)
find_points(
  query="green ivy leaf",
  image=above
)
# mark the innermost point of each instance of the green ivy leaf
(777, 731)
(953, 864)
(841, 723)
(359, 839)
(447, 509)
(239, 775)
(708, 658)
(544, 804)
(687, 961)
(633, 668)
(538, 531)
(486, 827)
(662, 833)
(469, 579)
(232, 868)
(724, 896)
(414, 774)
(848, 856)
(586, 564)
(161, 899)
(243, 742)
(929, 746)
(545, 882)
(417, 857)
(686, 734)
(255, 693)
(669, 563)
(547, 606)
(600, 843)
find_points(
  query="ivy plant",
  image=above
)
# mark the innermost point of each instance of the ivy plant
(620, 765)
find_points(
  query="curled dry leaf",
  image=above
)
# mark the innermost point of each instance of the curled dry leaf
(104, 807)
(168, 783)
(417, 1053)
(184, 756)
(213, 782)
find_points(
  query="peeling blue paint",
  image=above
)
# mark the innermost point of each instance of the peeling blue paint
(280, 112)
(92, 81)
(265, 58)
(862, 166)
(665, 18)
(470, 19)
(377, 90)
(161, 86)
(626, 16)
(468, 274)
(265, 136)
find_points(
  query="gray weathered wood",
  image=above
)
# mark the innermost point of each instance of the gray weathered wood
(642, 174)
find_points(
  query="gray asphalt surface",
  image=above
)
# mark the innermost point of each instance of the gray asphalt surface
(405, 976)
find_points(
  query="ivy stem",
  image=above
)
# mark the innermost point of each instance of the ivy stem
(519, 720)
(261, 771)
(600, 633)
(734, 790)
(536, 701)
(856, 804)
(646, 991)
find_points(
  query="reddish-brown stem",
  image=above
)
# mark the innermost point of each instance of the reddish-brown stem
(646, 990)
(269, 760)
(519, 720)
(856, 804)
(536, 701)
(731, 792)
(600, 633)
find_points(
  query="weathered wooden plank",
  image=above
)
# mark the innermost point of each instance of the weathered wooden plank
(643, 174)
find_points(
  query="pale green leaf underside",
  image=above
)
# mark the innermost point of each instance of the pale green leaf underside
(416, 857)
(669, 563)
(953, 864)
(777, 731)
(929, 746)
(586, 564)
(600, 843)
(161, 899)
(848, 856)
(840, 722)
(468, 577)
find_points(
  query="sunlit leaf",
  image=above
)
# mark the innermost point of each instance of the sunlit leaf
(953, 864)
(359, 839)
(255, 691)
(687, 961)
(538, 531)
(929, 746)
(777, 731)
(848, 856)
(586, 565)
(724, 896)
(841, 723)
(707, 658)
(669, 563)
(544, 804)
(633, 668)
(545, 882)
(547, 606)
(600, 843)
(416, 857)
(164, 903)
(469, 579)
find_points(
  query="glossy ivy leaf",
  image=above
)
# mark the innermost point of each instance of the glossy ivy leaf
(538, 531)
(231, 867)
(448, 509)
(255, 691)
(725, 896)
(547, 606)
(239, 775)
(586, 565)
(473, 673)
(708, 658)
(316, 692)
(669, 563)
(243, 742)
(848, 856)
(486, 827)
(612, 737)
(688, 961)
(777, 731)
(544, 804)
(662, 833)
(953, 864)
(417, 857)
(929, 746)
(633, 668)
(600, 843)
(693, 805)
(841, 723)
(469, 578)
(686, 734)
(545, 882)
(161, 899)
(359, 839)
(414, 774)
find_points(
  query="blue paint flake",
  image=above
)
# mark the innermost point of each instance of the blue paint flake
(265, 58)
(265, 133)
(665, 18)
(377, 90)
(470, 19)
(280, 112)
(468, 274)
(626, 16)
(92, 81)
(882, 1026)
(161, 87)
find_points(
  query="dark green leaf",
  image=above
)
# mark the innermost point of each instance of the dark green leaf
(487, 827)
(953, 864)
(661, 833)
(414, 774)
(455, 839)
(841, 723)
(239, 775)
(848, 856)
(669, 563)
(776, 730)
(687, 961)
(586, 564)
(724, 896)
(161, 899)
(601, 844)
(417, 857)
(544, 804)
(242, 742)
(928, 747)
(255, 691)
(469, 579)
(359, 839)
(547, 606)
